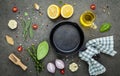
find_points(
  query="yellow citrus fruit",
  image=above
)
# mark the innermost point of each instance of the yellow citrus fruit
(53, 11)
(67, 11)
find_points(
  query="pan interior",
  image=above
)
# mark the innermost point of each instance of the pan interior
(66, 38)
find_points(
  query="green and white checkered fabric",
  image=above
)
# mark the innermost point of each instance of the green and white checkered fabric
(96, 46)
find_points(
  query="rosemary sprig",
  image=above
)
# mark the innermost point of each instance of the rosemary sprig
(31, 32)
(27, 29)
(33, 53)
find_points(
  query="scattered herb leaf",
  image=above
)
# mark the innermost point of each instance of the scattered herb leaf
(105, 27)
(60, 2)
(42, 50)
(25, 14)
(31, 32)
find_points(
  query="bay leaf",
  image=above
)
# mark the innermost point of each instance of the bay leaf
(42, 50)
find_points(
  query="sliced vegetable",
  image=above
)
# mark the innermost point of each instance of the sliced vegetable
(42, 50)
(105, 27)
(12, 24)
(9, 40)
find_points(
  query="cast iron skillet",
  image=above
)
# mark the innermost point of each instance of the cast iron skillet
(66, 37)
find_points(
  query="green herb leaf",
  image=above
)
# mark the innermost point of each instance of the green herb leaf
(60, 2)
(42, 50)
(25, 14)
(28, 23)
(105, 27)
(27, 29)
(31, 32)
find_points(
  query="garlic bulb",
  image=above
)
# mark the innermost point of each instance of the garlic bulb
(59, 64)
(51, 67)
(73, 67)
(36, 6)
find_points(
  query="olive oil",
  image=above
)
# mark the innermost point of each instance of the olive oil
(87, 19)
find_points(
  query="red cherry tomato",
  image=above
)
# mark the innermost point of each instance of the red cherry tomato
(93, 6)
(62, 71)
(35, 26)
(14, 9)
(19, 48)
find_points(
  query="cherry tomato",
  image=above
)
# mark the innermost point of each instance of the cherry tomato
(14, 9)
(19, 48)
(35, 26)
(62, 71)
(93, 6)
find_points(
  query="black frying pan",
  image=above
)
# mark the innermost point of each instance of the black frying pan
(66, 37)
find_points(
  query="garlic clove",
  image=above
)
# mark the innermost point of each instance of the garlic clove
(36, 6)
(59, 64)
(51, 67)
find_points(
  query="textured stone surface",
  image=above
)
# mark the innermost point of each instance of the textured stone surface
(7, 68)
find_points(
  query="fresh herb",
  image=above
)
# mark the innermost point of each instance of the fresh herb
(105, 27)
(31, 32)
(32, 50)
(42, 50)
(60, 2)
(27, 28)
(25, 14)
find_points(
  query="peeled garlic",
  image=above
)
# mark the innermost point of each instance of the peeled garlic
(59, 64)
(51, 67)
(36, 6)
(12, 24)
(73, 67)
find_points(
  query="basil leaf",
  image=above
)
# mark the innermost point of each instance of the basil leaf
(105, 27)
(42, 50)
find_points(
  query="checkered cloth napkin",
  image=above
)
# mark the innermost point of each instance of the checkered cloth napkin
(95, 46)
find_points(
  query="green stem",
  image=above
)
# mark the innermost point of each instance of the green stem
(38, 64)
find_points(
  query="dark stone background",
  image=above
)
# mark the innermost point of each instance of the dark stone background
(7, 68)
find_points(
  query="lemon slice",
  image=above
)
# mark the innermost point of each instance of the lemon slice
(67, 11)
(53, 11)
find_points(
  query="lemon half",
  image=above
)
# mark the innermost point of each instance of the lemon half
(67, 11)
(53, 11)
